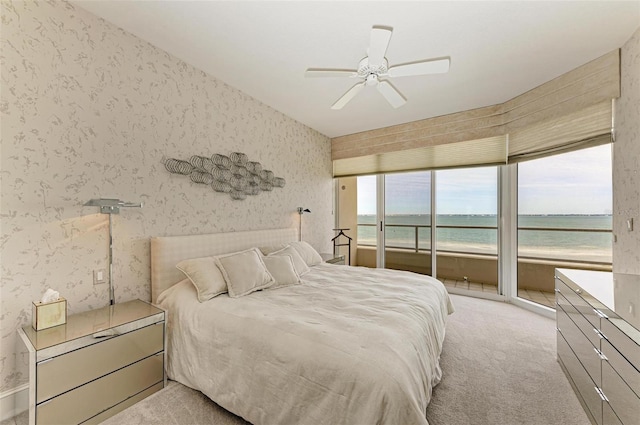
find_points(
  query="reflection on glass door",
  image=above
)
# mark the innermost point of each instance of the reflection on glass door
(408, 221)
(367, 234)
(564, 218)
(467, 228)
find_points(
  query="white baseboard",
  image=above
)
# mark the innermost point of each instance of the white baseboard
(14, 401)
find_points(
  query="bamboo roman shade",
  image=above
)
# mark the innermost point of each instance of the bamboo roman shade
(489, 151)
(474, 137)
(570, 112)
(585, 128)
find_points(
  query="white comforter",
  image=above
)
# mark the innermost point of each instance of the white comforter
(351, 345)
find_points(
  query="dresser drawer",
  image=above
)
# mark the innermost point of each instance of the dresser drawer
(624, 402)
(609, 417)
(585, 386)
(620, 364)
(623, 342)
(68, 371)
(97, 396)
(581, 346)
(579, 303)
(585, 326)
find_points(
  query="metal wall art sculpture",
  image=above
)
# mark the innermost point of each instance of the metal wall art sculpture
(233, 174)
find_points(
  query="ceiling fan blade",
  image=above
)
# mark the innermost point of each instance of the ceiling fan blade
(325, 72)
(431, 66)
(393, 96)
(350, 94)
(380, 37)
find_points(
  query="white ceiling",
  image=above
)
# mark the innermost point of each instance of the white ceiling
(498, 50)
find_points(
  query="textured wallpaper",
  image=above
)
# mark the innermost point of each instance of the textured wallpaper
(626, 162)
(89, 111)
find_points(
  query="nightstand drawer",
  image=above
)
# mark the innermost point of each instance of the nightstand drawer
(97, 396)
(123, 405)
(68, 371)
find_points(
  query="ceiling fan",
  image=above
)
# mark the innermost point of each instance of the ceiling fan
(374, 68)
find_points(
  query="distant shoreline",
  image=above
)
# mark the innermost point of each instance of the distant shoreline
(494, 215)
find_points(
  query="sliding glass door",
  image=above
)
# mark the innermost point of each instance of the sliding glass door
(407, 206)
(467, 228)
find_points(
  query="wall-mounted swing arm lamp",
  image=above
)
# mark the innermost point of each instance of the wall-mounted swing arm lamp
(111, 206)
(301, 210)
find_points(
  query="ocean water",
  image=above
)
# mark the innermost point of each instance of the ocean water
(569, 242)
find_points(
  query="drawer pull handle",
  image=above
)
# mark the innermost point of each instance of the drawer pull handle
(600, 334)
(105, 334)
(600, 354)
(578, 291)
(600, 314)
(601, 394)
(45, 361)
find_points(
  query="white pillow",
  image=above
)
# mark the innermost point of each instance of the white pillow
(308, 254)
(205, 276)
(282, 269)
(266, 250)
(298, 262)
(244, 272)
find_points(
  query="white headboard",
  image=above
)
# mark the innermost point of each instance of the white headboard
(168, 251)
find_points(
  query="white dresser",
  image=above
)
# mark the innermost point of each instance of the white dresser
(96, 365)
(598, 322)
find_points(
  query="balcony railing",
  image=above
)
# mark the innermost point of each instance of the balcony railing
(417, 227)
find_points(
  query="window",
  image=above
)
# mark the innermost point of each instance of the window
(367, 210)
(564, 218)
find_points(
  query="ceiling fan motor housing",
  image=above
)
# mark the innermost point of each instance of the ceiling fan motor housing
(370, 73)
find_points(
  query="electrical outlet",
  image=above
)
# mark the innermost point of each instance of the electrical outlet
(99, 277)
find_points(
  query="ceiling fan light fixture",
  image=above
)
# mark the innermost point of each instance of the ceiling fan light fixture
(372, 80)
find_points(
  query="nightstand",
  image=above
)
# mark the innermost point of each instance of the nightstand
(333, 259)
(97, 364)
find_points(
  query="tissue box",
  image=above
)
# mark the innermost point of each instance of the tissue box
(48, 315)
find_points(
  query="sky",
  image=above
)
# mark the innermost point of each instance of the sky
(577, 182)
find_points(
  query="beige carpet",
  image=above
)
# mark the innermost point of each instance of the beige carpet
(499, 368)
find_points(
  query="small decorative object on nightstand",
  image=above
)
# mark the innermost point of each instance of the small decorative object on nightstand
(333, 259)
(97, 364)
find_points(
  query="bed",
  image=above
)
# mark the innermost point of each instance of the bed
(348, 345)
